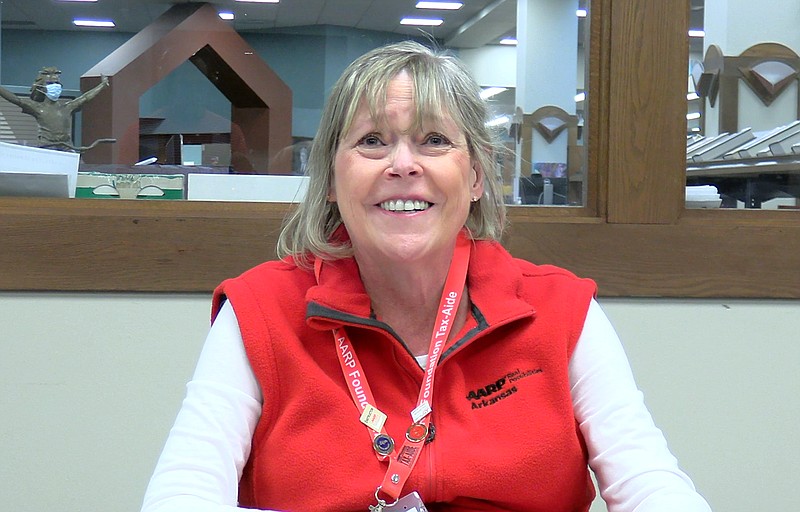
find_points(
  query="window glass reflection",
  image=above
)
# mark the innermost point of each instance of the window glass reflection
(743, 133)
(188, 103)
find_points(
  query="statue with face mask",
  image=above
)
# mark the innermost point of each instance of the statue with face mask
(53, 114)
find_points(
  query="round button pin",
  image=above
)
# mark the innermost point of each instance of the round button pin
(417, 432)
(383, 444)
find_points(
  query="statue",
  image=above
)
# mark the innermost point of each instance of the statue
(53, 114)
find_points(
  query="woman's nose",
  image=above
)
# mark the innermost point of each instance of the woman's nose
(404, 160)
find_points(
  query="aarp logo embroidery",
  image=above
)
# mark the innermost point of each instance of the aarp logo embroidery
(502, 388)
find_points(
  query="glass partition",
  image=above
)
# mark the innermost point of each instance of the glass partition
(197, 102)
(743, 128)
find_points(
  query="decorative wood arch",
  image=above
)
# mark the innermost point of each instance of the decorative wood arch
(550, 121)
(767, 68)
(261, 103)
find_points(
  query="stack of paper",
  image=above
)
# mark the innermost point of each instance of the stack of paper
(28, 171)
(702, 196)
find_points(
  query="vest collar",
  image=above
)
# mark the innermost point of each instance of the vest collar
(493, 279)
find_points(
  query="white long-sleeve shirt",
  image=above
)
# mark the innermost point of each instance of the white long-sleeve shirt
(209, 444)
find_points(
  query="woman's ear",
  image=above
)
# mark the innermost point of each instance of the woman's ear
(477, 185)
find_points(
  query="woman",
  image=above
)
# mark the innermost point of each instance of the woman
(397, 354)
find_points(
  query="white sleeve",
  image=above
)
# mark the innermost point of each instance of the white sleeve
(634, 468)
(209, 444)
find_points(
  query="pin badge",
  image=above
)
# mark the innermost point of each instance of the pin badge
(373, 418)
(383, 444)
(417, 432)
(431, 433)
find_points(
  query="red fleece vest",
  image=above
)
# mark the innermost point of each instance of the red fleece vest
(506, 437)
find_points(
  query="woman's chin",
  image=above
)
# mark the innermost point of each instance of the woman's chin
(408, 248)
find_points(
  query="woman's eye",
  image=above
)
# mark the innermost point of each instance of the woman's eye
(436, 139)
(370, 141)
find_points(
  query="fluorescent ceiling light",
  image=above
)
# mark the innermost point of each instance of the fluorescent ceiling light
(452, 6)
(226, 15)
(692, 96)
(422, 22)
(580, 97)
(581, 13)
(93, 23)
(697, 33)
(492, 91)
(510, 41)
(692, 115)
(260, 1)
(77, 0)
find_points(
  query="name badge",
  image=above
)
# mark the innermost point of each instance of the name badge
(409, 503)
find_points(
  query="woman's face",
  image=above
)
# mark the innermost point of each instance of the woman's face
(403, 193)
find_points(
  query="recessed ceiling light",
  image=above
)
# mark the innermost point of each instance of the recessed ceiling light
(697, 33)
(452, 6)
(422, 22)
(581, 13)
(692, 115)
(93, 23)
(226, 15)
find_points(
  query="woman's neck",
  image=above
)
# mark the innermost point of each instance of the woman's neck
(407, 299)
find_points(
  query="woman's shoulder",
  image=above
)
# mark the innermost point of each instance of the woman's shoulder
(530, 269)
(270, 277)
(269, 283)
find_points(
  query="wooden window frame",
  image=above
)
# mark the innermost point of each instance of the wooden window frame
(634, 236)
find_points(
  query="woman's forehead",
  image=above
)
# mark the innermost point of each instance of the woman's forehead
(427, 114)
(423, 121)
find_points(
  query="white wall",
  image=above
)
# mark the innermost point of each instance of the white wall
(492, 65)
(90, 384)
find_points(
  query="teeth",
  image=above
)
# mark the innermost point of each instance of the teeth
(400, 205)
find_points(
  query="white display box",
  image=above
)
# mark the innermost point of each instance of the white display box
(702, 196)
(247, 187)
(41, 169)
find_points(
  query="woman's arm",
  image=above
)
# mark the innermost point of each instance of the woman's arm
(629, 455)
(209, 444)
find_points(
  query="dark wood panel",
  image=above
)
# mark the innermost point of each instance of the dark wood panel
(692, 258)
(139, 246)
(597, 82)
(647, 110)
(178, 247)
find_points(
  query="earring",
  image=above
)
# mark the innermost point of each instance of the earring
(475, 199)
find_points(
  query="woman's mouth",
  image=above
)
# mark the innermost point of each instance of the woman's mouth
(404, 205)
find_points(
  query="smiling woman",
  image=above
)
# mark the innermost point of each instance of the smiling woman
(403, 298)
(374, 126)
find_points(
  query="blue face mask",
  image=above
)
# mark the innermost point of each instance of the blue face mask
(53, 91)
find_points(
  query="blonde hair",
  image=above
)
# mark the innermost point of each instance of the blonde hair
(442, 87)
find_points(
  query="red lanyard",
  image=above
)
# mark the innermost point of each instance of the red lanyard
(402, 460)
